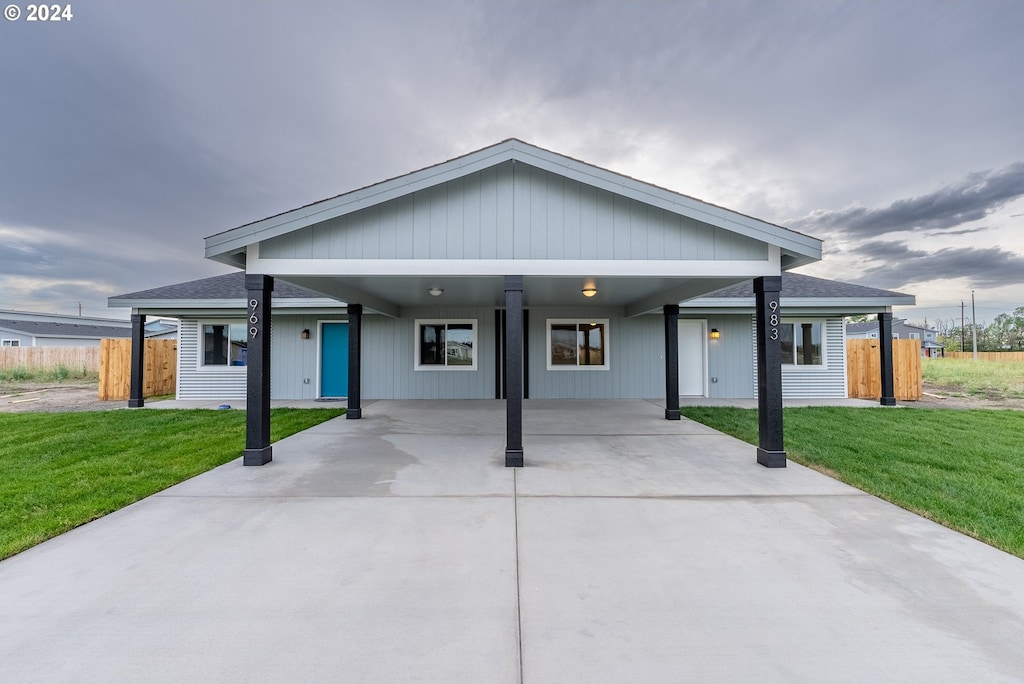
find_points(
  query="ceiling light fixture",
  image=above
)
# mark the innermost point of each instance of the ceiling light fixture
(435, 291)
(589, 291)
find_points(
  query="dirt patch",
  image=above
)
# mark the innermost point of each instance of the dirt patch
(937, 396)
(25, 397)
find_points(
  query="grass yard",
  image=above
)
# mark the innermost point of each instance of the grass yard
(964, 469)
(989, 379)
(61, 470)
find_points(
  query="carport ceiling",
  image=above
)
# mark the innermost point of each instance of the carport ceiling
(636, 294)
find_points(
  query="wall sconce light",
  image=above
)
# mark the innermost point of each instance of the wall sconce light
(435, 291)
(304, 334)
(589, 291)
(715, 334)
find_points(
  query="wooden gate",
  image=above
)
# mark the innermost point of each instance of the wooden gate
(864, 369)
(161, 359)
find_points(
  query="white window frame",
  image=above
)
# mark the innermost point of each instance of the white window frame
(201, 350)
(10, 343)
(577, 321)
(446, 322)
(796, 323)
(913, 336)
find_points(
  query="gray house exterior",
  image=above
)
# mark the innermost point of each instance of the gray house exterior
(901, 330)
(511, 272)
(721, 367)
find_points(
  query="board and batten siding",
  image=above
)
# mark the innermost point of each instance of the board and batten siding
(513, 211)
(815, 382)
(388, 356)
(636, 360)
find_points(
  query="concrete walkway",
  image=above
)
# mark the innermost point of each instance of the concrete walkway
(397, 549)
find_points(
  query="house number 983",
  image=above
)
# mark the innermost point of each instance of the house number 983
(773, 320)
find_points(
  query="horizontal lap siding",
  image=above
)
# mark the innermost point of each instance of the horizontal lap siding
(826, 382)
(195, 382)
(513, 211)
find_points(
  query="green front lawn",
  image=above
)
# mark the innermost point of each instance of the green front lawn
(61, 470)
(964, 469)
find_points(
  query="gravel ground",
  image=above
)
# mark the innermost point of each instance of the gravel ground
(27, 397)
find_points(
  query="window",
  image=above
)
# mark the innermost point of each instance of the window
(446, 345)
(914, 336)
(225, 344)
(10, 343)
(802, 343)
(577, 345)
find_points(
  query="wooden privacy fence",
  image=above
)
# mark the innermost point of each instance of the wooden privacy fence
(161, 359)
(1007, 357)
(864, 369)
(50, 358)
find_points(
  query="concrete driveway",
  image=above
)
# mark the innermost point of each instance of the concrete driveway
(398, 549)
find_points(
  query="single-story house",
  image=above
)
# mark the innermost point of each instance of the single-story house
(511, 272)
(31, 329)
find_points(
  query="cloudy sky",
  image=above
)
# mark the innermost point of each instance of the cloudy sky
(890, 129)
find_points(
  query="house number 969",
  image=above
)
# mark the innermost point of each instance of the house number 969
(253, 319)
(773, 320)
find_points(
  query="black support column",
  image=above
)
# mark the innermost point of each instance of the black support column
(671, 362)
(770, 451)
(355, 362)
(514, 371)
(885, 350)
(138, 370)
(257, 419)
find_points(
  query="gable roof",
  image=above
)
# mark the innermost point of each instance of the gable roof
(54, 329)
(230, 246)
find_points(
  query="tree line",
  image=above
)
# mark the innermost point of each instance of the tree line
(1005, 333)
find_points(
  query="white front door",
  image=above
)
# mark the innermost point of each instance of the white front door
(692, 357)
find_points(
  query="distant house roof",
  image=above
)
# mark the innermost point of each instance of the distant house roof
(52, 329)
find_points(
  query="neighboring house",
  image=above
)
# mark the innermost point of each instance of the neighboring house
(510, 271)
(162, 329)
(28, 329)
(901, 330)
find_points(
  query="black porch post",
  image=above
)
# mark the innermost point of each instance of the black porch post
(885, 350)
(671, 362)
(257, 361)
(355, 361)
(514, 371)
(770, 451)
(138, 370)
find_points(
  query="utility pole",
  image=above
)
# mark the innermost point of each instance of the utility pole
(974, 328)
(962, 347)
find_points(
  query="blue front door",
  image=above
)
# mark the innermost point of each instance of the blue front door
(334, 360)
